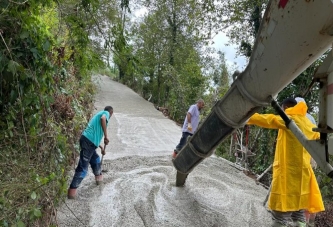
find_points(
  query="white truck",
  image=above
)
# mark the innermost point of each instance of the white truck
(292, 35)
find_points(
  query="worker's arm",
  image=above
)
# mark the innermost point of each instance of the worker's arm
(189, 124)
(188, 117)
(270, 121)
(103, 123)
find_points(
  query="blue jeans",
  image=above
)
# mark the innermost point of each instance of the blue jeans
(88, 155)
(182, 141)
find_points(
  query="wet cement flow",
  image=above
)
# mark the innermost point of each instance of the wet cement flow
(139, 187)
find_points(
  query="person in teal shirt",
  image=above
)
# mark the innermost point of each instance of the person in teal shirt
(89, 141)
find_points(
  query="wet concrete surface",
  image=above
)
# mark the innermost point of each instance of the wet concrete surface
(139, 187)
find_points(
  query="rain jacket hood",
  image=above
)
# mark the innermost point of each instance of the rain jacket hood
(294, 185)
(300, 109)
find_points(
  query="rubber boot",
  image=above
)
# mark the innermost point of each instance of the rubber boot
(278, 224)
(99, 179)
(71, 194)
(310, 219)
(299, 224)
(311, 222)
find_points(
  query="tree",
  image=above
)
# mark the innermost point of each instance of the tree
(242, 20)
(46, 58)
(168, 43)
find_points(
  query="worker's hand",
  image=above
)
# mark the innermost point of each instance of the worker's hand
(103, 150)
(189, 127)
(106, 141)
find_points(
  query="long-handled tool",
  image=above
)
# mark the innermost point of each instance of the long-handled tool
(261, 175)
(267, 196)
(103, 170)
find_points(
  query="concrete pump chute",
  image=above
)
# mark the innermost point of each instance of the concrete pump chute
(292, 35)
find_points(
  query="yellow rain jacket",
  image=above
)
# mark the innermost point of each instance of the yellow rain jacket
(294, 185)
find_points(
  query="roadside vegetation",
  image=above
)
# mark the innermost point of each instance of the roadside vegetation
(46, 96)
(49, 49)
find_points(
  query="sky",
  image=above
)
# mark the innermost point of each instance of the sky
(221, 43)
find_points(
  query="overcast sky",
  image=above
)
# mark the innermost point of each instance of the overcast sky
(221, 43)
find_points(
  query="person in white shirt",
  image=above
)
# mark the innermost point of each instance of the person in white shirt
(190, 125)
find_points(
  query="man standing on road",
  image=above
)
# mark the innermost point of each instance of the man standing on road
(294, 187)
(190, 125)
(89, 141)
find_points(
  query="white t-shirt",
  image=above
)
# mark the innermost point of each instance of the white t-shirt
(194, 111)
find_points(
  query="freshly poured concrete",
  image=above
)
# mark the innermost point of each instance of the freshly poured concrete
(139, 188)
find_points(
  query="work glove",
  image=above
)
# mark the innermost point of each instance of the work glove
(189, 127)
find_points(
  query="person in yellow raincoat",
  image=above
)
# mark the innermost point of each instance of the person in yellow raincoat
(294, 185)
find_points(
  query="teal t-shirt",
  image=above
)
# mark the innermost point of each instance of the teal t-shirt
(94, 131)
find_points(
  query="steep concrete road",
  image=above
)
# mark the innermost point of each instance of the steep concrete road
(139, 188)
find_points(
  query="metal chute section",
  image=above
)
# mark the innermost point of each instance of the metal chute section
(330, 96)
(291, 37)
(217, 126)
(330, 144)
(202, 143)
(324, 75)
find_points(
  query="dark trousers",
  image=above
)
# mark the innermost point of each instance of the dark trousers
(182, 141)
(88, 155)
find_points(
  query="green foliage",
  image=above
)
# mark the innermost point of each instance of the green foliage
(264, 149)
(246, 48)
(325, 183)
(165, 60)
(46, 59)
(300, 86)
(242, 19)
(45, 94)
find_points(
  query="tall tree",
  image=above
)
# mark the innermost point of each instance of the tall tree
(169, 43)
(242, 20)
